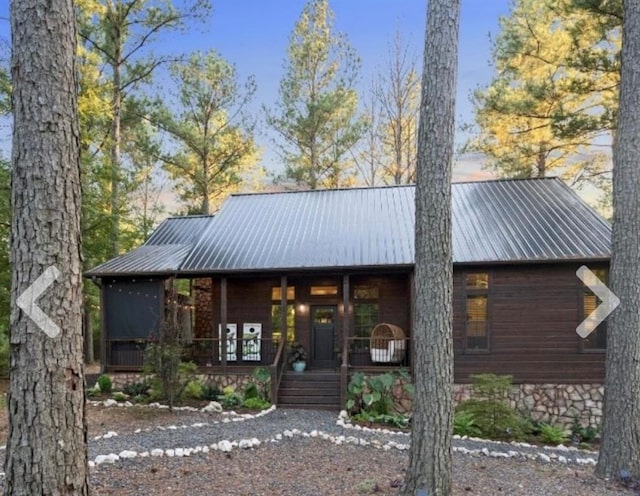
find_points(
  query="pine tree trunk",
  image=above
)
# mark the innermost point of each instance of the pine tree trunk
(431, 453)
(46, 447)
(620, 448)
(115, 153)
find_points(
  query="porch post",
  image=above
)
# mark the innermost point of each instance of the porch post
(345, 311)
(344, 366)
(103, 330)
(283, 308)
(222, 332)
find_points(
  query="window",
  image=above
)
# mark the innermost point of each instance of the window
(597, 339)
(276, 314)
(365, 293)
(365, 318)
(324, 290)
(365, 310)
(477, 308)
(276, 293)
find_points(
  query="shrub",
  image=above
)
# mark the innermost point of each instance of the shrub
(490, 411)
(136, 388)
(552, 434)
(169, 376)
(104, 381)
(374, 395)
(140, 398)
(464, 424)
(255, 403)
(251, 391)
(262, 377)
(93, 392)
(210, 393)
(120, 396)
(229, 398)
(393, 419)
(193, 390)
(582, 434)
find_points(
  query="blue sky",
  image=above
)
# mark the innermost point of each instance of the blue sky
(253, 34)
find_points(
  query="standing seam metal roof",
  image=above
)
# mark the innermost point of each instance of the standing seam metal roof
(498, 221)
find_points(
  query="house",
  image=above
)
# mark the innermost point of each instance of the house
(326, 267)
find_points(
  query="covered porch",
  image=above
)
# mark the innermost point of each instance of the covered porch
(332, 315)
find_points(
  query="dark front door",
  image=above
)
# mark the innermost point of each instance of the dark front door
(323, 330)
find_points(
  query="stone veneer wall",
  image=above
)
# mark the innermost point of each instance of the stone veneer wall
(203, 308)
(553, 403)
(237, 381)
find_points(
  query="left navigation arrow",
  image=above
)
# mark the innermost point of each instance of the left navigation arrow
(27, 301)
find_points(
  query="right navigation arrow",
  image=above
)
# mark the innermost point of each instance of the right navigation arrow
(609, 301)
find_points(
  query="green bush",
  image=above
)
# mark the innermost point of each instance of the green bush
(393, 419)
(136, 388)
(552, 434)
(255, 403)
(104, 381)
(374, 395)
(92, 392)
(464, 424)
(193, 390)
(120, 396)
(582, 434)
(210, 393)
(229, 398)
(490, 411)
(251, 391)
(262, 377)
(140, 398)
(167, 374)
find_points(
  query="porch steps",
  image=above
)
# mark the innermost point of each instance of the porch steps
(311, 389)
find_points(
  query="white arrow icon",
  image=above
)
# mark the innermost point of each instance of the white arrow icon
(27, 301)
(609, 301)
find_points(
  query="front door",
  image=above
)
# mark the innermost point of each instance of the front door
(323, 330)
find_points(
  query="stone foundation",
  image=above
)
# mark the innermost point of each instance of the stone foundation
(557, 404)
(553, 403)
(236, 381)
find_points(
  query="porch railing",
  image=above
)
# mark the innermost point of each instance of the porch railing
(357, 353)
(128, 354)
(386, 352)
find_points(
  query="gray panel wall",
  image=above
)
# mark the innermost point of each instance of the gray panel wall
(133, 309)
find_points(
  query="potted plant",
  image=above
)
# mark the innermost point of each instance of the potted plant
(297, 357)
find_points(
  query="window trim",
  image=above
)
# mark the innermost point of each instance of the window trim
(466, 291)
(583, 290)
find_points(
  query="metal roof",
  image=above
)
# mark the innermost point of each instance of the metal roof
(162, 253)
(498, 221)
(179, 230)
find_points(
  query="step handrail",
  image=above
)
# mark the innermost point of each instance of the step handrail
(276, 369)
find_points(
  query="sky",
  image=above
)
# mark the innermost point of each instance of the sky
(253, 35)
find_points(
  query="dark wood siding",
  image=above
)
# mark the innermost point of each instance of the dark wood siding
(533, 314)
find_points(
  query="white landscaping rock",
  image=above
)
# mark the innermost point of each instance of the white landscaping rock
(225, 446)
(213, 407)
(110, 402)
(128, 454)
(157, 452)
(111, 458)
